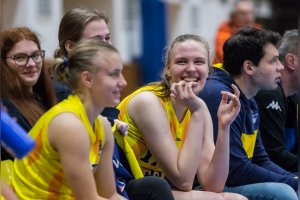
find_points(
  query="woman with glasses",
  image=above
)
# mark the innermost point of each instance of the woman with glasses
(26, 89)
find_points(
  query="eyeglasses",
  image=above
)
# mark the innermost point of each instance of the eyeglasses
(22, 59)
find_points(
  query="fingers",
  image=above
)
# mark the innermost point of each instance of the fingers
(224, 97)
(234, 97)
(182, 89)
(236, 90)
(227, 95)
(122, 127)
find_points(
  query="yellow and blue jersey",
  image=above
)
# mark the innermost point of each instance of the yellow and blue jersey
(40, 174)
(135, 139)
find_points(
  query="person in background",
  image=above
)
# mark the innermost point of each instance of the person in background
(241, 16)
(77, 25)
(251, 62)
(74, 144)
(277, 109)
(26, 89)
(173, 138)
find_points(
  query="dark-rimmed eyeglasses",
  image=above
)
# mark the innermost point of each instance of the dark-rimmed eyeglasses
(22, 59)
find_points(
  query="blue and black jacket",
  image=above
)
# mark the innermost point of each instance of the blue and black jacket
(249, 162)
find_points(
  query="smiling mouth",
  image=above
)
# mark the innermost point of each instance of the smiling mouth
(26, 73)
(190, 79)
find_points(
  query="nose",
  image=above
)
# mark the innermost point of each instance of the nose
(122, 81)
(30, 62)
(191, 67)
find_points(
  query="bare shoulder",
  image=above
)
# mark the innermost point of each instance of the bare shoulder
(66, 127)
(148, 113)
(144, 101)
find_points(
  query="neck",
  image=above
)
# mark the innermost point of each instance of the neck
(288, 84)
(30, 89)
(91, 109)
(246, 86)
(179, 109)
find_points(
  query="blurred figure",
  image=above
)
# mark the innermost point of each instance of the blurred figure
(26, 89)
(241, 16)
(74, 144)
(278, 110)
(76, 25)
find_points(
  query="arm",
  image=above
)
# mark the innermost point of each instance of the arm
(73, 145)
(262, 159)
(179, 165)
(242, 166)
(7, 192)
(214, 164)
(104, 174)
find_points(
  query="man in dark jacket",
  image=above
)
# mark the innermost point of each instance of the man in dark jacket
(278, 109)
(251, 61)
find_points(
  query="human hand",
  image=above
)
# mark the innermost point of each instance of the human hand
(183, 93)
(122, 127)
(228, 111)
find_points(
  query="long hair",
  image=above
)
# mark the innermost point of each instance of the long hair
(31, 105)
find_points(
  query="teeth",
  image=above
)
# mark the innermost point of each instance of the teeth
(190, 79)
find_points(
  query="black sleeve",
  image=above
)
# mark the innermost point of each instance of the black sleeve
(272, 110)
(62, 90)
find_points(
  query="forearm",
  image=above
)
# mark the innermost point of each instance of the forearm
(286, 160)
(218, 168)
(252, 173)
(189, 155)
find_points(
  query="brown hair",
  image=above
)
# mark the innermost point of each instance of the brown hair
(72, 25)
(80, 59)
(31, 105)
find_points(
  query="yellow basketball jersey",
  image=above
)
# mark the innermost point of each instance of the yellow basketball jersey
(135, 139)
(39, 175)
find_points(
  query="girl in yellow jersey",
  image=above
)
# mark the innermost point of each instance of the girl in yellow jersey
(170, 128)
(73, 154)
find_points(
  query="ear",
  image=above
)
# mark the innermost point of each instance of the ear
(86, 79)
(248, 67)
(69, 45)
(168, 72)
(290, 61)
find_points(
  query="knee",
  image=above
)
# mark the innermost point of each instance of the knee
(284, 191)
(277, 191)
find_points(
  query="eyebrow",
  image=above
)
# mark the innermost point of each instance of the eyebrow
(100, 36)
(22, 53)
